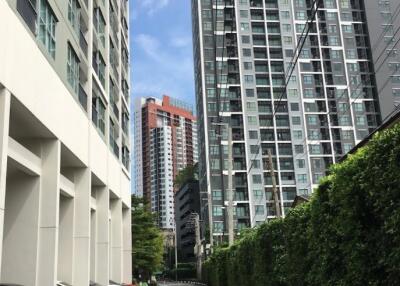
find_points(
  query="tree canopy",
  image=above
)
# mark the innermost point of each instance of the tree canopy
(188, 173)
(147, 240)
(349, 234)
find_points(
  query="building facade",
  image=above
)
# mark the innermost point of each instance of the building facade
(64, 142)
(187, 203)
(167, 132)
(383, 22)
(244, 54)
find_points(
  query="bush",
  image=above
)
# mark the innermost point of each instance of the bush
(349, 234)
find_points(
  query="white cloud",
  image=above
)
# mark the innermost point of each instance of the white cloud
(181, 42)
(160, 68)
(152, 6)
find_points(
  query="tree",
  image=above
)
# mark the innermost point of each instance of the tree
(147, 240)
(188, 173)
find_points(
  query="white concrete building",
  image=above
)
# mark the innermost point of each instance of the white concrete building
(64, 163)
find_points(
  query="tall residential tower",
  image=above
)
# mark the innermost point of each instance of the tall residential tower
(166, 142)
(244, 53)
(64, 142)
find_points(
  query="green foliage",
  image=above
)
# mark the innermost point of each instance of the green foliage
(349, 234)
(186, 271)
(147, 240)
(188, 173)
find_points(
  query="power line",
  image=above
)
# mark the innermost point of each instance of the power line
(349, 106)
(295, 59)
(344, 93)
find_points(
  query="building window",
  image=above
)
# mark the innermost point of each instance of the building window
(210, 79)
(73, 69)
(296, 120)
(73, 13)
(396, 92)
(248, 65)
(259, 210)
(252, 120)
(300, 163)
(251, 106)
(244, 26)
(294, 107)
(244, 13)
(217, 195)
(257, 179)
(247, 52)
(250, 92)
(47, 27)
(253, 134)
(302, 178)
(218, 226)
(210, 92)
(248, 78)
(297, 134)
(217, 211)
(255, 164)
(299, 149)
(314, 149)
(258, 194)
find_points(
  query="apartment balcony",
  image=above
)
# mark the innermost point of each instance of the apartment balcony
(256, 4)
(272, 15)
(257, 15)
(271, 4)
(237, 135)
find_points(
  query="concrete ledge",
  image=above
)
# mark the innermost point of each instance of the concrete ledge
(67, 187)
(25, 160)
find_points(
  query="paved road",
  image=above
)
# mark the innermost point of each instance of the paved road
(173, 284)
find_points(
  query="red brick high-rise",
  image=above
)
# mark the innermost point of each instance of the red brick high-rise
(165, 143)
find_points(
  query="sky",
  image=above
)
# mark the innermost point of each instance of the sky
(161, 49)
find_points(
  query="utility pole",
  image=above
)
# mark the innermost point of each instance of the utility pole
(174, 235)
(210, 221)
(272, 171)
(230, 187)
(198, 245)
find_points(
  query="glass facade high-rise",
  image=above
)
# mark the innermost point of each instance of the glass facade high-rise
(244, 52)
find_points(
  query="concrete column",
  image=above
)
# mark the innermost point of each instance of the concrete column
(49, 213)
(127, 245)
(82, 227)
(5, 99)
(65, 240)
(102, 242)
(21, 232)
(93, 250)
(116, 241)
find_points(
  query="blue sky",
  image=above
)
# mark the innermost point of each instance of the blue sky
(161, 49)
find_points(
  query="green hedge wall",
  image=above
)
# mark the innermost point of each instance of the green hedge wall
(349, 234)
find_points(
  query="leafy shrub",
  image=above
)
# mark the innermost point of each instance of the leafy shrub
(349, 234)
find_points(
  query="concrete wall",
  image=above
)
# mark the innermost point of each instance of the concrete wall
(56, 177)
